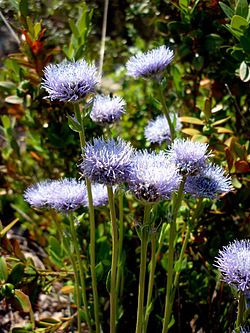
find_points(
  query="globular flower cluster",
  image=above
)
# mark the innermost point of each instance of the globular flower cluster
(158, 131)
(152, 178)
(233, 262)
(151, 63)
(62, 195)
(209, 183)
(190, 157)
(107, 162)
(107, 110)
(69, 81)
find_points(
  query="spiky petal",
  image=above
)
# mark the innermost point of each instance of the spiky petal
(190, 157)
(152, 178)
(62, 195)
(210, 183)
(69, 81)
(158, 131)
(233, 262)
(107, 110)
(107, 162)
(151, 63)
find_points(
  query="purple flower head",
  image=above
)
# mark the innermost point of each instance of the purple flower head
(107, 110)
(107, 162)
(99, 194)
(210, 183)
(233, 262)
(151, 63)
(152, 178)
(62, 195)
(69, 81)
(190, 157)
(158, 131)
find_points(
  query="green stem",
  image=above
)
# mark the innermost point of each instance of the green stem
(241, 310)
(143, 266)
(171, 250)
(81, 270)
(166, 112)
(79, 116)
(119, 286)
(150, 283)
(113, 293)
(92, 255)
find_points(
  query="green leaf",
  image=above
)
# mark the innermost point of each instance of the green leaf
(221, 121)
(14, 99)
(16, 274)
(190, 131)
(19, 330)
(22, 301)
(99, 271)
(6, 121)
(74, 28)
(192, 120)
(242, 8)
(37, 29)
(227, 10)
(30, 26)
(74, 124)
(23, 7)
(244, 71)
(7, 85)
(207, 108)
(3, 270)
(239, 24)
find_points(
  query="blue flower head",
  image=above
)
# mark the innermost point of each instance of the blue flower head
(210, 183)
(152, 178)
(107, 162)
(158, 131)
(190, 157)
(151, 63)
(69, 81)
(99, 195)
(107, 110)
(233, 262)
(62, 195)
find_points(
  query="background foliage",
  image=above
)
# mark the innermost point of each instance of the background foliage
(207, 84)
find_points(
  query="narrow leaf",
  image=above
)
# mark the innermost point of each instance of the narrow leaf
(192, 120)
(3, 270)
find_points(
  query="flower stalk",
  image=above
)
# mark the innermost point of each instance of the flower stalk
(79, 116)
(143, 266)
(171, 250)
(81, 270)
(113, 291)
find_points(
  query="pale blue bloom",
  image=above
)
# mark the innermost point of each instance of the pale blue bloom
(69, 81)
(61, 195)
(190, 157)
(107, 110)
(152, 178)
(99, 195)
(151, 63)
(158, 131)
(233, 262)
(209, 183)
(107, 161)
